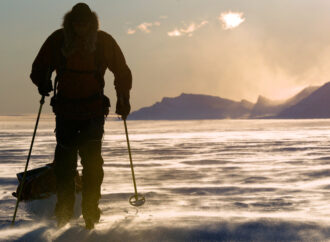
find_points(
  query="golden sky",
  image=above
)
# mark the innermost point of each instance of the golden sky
(233, 49)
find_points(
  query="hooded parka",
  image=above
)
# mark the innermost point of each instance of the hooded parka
(80, 105)
(79, 74)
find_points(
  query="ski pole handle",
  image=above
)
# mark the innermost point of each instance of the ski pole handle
(42, 100)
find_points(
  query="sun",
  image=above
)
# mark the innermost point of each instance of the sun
(231, 20)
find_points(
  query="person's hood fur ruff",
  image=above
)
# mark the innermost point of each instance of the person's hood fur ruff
(69, 44)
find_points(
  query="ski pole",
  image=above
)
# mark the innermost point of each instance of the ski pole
(139, 198)
(42, 101)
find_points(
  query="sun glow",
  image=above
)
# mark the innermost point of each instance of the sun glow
(175, 32)
(231, 20)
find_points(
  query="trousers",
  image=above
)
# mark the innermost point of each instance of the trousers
(83, 137)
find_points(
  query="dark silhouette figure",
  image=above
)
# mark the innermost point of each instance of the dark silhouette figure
(80, 55)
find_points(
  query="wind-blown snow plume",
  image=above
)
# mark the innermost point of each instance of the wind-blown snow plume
(269, 208)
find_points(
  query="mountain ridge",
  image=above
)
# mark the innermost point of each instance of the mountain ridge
(189, 106)
(313, 106)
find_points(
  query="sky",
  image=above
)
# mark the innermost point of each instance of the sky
(180, 46)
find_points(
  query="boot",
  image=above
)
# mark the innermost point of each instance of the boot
(63, 215)
(91, 217)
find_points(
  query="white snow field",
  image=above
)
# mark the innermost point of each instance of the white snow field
(210, 180)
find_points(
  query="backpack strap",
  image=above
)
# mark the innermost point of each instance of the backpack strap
(60, 71)
(99, 63)
(99, 75)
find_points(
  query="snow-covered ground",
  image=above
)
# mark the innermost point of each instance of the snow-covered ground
(219, 180)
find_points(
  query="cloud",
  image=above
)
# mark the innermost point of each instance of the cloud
(163, 17)
(131, 31)
(144, 27)
(193, 27)
(187, 30)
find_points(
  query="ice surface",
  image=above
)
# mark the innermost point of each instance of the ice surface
(219, 180)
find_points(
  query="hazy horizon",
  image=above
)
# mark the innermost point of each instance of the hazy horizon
(180, 46)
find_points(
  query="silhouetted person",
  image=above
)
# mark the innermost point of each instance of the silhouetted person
(80, 55)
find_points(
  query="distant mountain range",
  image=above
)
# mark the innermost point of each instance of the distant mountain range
(311, 102)
(315, 105)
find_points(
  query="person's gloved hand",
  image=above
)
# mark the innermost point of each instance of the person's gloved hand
(123, 106)
(45, 88)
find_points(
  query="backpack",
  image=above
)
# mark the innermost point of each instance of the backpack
(80, 92)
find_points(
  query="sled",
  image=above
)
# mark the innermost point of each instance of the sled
(40, 183)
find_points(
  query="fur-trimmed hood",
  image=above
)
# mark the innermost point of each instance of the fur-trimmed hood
(69, 35)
